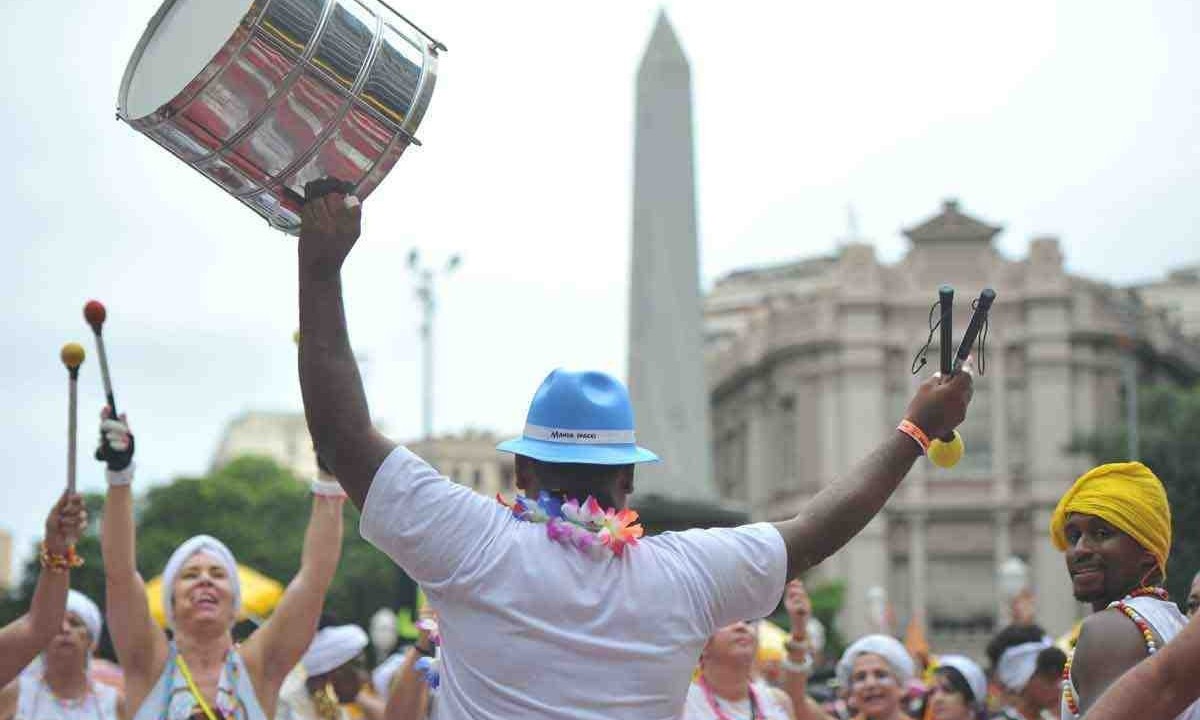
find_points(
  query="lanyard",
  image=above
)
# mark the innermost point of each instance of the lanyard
(187, 676)
(712, 701)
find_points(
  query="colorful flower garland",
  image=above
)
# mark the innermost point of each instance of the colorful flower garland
(589, 527)
(429, 667)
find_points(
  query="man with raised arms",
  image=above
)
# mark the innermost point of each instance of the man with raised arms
(553, 606)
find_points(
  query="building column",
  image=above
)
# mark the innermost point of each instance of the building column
(1001, 552)
(758, 451)
(918, 566)
(1050, 426)
(865, 419)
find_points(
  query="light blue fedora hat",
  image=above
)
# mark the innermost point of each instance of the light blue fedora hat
(580, 417)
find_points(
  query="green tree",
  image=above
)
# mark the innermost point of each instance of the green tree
(257, 508)
(1168, 428)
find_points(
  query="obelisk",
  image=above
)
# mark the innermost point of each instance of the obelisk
(666, 353)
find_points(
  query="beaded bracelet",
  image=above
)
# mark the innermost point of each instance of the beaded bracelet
(909, 428)
(55, 562)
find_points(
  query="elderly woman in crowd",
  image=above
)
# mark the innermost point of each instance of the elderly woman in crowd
(328, 677)
(200, 673)
(22, 639)
(60, 688)
(1028, 668)
(959, 690)
(725, 688)
(875, 670)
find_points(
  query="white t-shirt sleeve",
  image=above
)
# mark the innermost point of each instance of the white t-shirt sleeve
(435, 529)
(735, 573)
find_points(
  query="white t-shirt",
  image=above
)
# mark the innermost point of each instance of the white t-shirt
(535, 629)
(768, 708)
(35, 701)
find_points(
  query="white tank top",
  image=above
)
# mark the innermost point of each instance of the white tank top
(35, 701)
(697, 706)
(1166, 621)
(170, 698)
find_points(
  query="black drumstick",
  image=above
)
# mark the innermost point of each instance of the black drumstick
(978, 318)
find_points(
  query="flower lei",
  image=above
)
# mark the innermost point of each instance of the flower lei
(429, 667)
(589, 527)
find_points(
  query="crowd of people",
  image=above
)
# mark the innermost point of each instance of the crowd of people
(554, 605)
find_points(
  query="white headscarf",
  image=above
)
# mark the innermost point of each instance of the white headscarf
(87, 611)
(971, 672)
(333, 647)
(199, 543)
(381, 676)
(1018, 664)
(886, 647)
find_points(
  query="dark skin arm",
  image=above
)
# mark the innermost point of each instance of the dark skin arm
(843, 509)
(1159, 688)
(334, 401)
(1109, 645)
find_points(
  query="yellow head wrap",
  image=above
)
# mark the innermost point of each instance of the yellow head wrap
(1127, 495)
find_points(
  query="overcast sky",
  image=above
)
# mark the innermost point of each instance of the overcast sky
(1046, 118)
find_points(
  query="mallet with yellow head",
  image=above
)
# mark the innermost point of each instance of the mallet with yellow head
(72, 357)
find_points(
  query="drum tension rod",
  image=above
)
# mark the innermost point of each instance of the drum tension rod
(437, 45)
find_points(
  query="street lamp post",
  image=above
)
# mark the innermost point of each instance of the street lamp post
(425, 277)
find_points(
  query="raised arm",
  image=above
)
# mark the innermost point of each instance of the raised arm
(334, 401)
(1158, 688)
(798, 651)
(844, 508)
(23, 638)
(275, 648)
(141, 647)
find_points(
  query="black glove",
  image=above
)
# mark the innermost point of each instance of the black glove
(116, 443)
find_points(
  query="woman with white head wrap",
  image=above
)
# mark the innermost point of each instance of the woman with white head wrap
(328, 677)
(22, 639)
(1028, 668)
(959, 689)
(875, 670)
(59, 688)
(200, 673)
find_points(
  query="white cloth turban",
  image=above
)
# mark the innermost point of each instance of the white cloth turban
(971, 672)
(333, 647)
(87, 611)
(1018, 663)
(886, 647)
(199, 543)
(381, 676)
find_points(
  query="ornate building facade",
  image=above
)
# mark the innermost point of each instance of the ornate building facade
(808, 366)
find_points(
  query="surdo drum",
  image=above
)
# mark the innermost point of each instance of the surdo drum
(262, 96)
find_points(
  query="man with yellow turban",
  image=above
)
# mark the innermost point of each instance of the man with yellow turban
(1114, 525)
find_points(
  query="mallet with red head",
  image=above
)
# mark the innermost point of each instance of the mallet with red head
(72, 356)
(95, 314)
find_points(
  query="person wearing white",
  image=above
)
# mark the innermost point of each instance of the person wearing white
(959, 690)
(876, 669)
(22, 639)
(1165, 621)
(725, 689)
(200, 672)
(60, 689)
(325, 678)
(531, 627)
(1027, 668)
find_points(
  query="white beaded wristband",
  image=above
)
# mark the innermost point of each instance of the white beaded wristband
(117, 478)
(803, 668)
(327, 488)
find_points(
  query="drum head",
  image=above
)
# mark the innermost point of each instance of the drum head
(185, 39)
